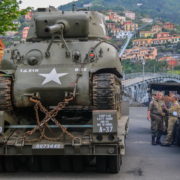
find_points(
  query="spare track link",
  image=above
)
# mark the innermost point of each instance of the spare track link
(106, 91)
(5, 93)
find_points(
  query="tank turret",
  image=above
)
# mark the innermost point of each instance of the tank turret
(59, 46)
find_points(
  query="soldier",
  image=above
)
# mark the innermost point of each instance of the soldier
(173, 117)
(156, 115)
(167, 104)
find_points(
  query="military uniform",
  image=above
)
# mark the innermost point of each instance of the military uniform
(173, 112)
(168, 106)
(156, 115)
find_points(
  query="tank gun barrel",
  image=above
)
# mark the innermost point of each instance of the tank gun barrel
(54, 28)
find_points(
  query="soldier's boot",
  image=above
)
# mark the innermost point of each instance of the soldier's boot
(153, 140)
(167, 142)
(158, 139)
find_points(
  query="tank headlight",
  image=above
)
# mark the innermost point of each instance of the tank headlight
(99, 137)
(76, 56)
(111, 137)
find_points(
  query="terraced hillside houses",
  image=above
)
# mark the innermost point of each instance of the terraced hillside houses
(140, 53)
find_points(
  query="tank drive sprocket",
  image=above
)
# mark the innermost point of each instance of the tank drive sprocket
(106, 91)
(5, 93)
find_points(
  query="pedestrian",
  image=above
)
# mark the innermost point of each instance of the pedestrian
(155, 114)
(173, 112)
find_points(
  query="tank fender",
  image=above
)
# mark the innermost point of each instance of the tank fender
(109, 70)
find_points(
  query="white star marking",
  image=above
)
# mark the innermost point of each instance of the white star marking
(52, 76)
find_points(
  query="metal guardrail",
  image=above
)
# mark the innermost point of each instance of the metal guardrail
(135, 78)
(134, 75)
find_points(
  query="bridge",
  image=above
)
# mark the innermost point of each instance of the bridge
(135, 85)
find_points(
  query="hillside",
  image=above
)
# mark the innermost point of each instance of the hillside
(165, 9)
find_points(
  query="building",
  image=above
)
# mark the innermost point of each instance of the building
(156, 41)
(166, 40)
(130, 26)
(2, 47)
(146, 34)
(115, 31)
(142, 42)
(131, 15)
(147, 20)
(156, 29)
(169, 26)
(163, 35)
(113, 28)
(171, 61)
(139, 4)
(123, 34)
(140, 53)
(114, 17)
(111, 25)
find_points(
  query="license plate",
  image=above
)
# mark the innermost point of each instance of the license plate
(47, 146)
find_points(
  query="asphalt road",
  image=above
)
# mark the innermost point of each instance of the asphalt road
(142, 161)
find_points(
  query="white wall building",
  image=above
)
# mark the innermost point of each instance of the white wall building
(123, 34)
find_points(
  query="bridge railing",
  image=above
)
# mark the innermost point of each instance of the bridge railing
(134, 75)
(139, 77)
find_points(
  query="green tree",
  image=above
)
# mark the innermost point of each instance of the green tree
(9, 12)
(150, 66)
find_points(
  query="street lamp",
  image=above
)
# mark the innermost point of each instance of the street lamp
(143, 64)
(154, 68)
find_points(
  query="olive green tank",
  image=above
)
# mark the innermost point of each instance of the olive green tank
(60, 95)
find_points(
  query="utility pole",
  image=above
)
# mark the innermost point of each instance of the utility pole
(143, 64)
(154, 69)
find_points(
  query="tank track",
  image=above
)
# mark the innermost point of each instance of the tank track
(107, 96)
(102, 164)
(106, 91)
(5, 93)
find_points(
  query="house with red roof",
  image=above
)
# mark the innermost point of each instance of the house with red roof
(169, 26)
(163, 35)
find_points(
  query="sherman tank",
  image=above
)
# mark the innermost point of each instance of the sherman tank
(60, 96)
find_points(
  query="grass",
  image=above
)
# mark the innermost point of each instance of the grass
(174, 72)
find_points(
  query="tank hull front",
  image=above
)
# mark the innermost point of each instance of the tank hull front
(50, 83)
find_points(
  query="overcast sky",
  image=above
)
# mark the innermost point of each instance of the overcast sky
(43, 3)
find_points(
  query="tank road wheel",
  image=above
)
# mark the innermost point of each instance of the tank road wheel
(106, 91)
(10, 164)
(66, 164)
(5, 93)
(78, 164)
(34, 164)
(1, 164)
(47, 163)
(101, 164)
(177, 134)
(114, 163)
